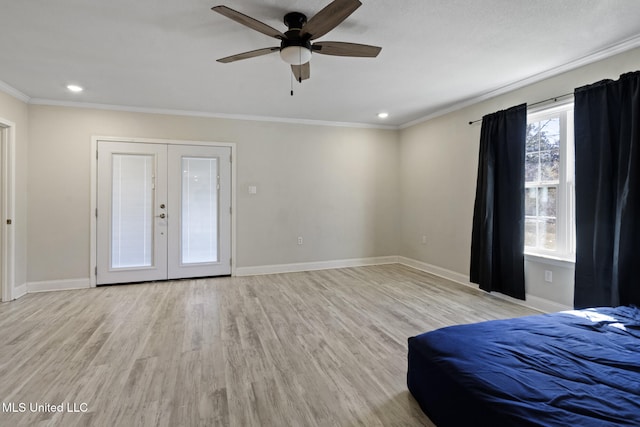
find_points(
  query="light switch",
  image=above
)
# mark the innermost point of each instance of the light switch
(253, 189)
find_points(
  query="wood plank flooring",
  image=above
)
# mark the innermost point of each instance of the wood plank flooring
(324, 348)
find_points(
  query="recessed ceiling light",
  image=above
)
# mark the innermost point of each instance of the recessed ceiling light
(74, 88)
(383, 115)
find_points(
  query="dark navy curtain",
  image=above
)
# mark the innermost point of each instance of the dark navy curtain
(497, 240)
(607, 147)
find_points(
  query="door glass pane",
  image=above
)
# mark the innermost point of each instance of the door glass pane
(199, 210)
(132, 211)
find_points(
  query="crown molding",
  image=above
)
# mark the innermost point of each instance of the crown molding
(628, 44)
(10, 90)
(123, 108)
(602, 54)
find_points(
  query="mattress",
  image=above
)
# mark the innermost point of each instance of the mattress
(573, 368)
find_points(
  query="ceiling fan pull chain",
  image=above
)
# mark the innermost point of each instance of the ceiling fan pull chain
(291, 80)
(300, 62)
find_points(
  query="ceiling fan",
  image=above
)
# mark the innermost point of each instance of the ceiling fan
(296, 44)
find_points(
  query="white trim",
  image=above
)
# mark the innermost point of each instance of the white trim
(245, 117)
(93, 245)
(551, 107)
(437, 271)
(234, 210)
(607, 52)
(10, 90)
(546, 305)
(531, 301)
(315, 265)
(159, 141)
(19, 291)
(93, 206)
(58, 285)
(7, 181)
(550, 260)
(630, 43)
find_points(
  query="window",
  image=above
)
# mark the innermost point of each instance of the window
(549, 178)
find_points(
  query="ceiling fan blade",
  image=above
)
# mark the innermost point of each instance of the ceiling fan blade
(301, 72)
(346, 49)
(329, 18)
(247, 55)
(248, 21)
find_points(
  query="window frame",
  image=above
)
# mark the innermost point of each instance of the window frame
(565, 199)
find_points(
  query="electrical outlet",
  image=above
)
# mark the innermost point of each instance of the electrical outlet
(300, 240)
(424, 240)
(548, 276)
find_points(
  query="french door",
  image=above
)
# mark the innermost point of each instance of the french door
(164, 212)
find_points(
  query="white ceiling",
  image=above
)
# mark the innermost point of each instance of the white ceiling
(160, 54)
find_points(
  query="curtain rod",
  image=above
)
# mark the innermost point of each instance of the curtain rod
(554, 99)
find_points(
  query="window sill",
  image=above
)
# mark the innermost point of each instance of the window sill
(566, 262)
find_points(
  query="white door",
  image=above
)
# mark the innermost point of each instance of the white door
(199, 211)
(163, 212)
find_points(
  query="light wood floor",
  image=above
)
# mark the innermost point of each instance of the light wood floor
(325, 348)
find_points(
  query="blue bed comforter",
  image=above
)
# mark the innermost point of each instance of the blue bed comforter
(573, 368)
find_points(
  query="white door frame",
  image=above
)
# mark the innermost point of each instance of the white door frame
(7, 204)
(94, 191)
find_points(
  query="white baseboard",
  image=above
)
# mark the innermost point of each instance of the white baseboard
(58, 285)
(531, 301)
(546, 305)
(19, 291)
(311, 266)
(437, 271)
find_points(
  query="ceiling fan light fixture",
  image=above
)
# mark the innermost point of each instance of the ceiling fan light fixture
(296, 46)
(295, 55)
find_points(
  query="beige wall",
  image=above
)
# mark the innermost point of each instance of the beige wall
(335, 186)
(16, 111)
(438, 163)
(350, 192)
